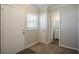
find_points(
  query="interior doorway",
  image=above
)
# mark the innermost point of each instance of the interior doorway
(55, 27)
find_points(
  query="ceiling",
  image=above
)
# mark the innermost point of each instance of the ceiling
(45, 5)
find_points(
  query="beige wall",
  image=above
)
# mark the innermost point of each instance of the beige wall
(43, 26)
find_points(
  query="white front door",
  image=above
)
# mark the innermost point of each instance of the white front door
(12, 29)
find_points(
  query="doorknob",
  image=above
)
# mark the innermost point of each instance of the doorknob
(23, 33)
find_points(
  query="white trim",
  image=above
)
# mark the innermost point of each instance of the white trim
(31, 44)
(68, 47)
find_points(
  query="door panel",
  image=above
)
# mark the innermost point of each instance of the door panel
(12, 26)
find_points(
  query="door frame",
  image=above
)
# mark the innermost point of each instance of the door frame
(59, 27)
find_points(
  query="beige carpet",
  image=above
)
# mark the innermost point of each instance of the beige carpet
(40, 48)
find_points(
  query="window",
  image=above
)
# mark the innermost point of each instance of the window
(32, 22)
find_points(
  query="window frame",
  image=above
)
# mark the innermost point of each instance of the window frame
(29, 27)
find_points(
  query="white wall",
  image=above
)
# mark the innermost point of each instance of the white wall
(43, 26)
(69, 26)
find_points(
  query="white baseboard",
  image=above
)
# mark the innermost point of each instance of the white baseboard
(45, 42)
(68, 47)
(31, 44)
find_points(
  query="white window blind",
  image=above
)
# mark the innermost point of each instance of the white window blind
(32, 22)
